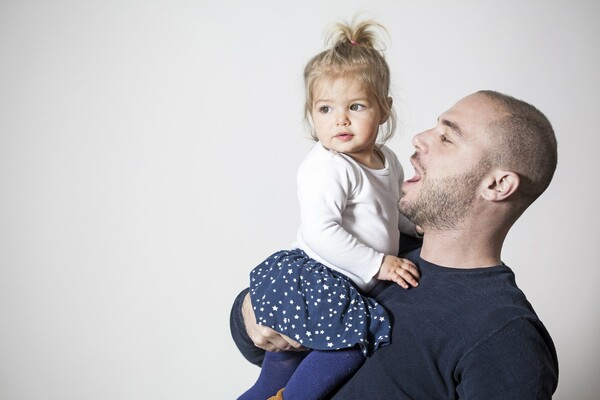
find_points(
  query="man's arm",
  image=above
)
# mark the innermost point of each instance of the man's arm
(267, 338)
(252, 339)
(238, 332)
(516, 362)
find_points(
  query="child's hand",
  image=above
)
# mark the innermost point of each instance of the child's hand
(419, 230)
(398, 270)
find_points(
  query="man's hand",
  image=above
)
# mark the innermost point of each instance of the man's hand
(263, 336)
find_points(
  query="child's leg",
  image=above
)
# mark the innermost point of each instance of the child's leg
(277, 368)
(321, 372)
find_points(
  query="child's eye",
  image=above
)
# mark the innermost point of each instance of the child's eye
(357, 107)
(324, 109)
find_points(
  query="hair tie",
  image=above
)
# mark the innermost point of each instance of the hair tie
(353, 42)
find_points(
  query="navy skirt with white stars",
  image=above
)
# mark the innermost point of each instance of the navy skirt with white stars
(315, 305)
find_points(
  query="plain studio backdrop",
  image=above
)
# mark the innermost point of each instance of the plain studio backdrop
(148, 152)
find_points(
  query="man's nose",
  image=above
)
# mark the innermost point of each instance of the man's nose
(421, 140)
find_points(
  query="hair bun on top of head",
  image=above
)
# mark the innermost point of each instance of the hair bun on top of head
(357, 33)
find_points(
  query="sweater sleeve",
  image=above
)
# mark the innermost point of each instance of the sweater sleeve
(323, 191)
(239, 335)
(515, 362)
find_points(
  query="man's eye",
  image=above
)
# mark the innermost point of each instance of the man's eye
(444, 139)
(357, 107)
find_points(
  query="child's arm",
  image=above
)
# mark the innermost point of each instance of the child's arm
(324, 186)
(399, 270)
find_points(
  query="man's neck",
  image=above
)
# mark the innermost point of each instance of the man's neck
(462, 249)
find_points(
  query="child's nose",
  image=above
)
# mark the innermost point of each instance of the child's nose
(342, 119)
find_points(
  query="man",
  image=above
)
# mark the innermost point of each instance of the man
(467, 331)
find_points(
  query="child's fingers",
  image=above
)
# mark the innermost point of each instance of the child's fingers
(407, 277)
(410, 267)
(399, 270)
(398, 279)
(408, 272)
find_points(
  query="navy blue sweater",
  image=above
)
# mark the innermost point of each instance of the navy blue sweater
(461, 334)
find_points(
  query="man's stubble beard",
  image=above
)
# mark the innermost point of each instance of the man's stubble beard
(443, 203)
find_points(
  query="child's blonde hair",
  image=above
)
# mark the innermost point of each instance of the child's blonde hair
(353, 53)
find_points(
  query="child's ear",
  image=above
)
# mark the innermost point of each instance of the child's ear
(385, 116)
(500, 185)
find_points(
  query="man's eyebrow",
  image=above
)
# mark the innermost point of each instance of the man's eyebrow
(455, 128)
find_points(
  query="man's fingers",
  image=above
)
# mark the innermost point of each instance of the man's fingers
(264, 337)
(268, 339)
(274, 346)
(294, 345)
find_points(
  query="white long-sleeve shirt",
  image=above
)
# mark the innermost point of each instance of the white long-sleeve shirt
(349, 213)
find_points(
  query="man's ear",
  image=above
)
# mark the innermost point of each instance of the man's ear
(500, 185)
(385, 116)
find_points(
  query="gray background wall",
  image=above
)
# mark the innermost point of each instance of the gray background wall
(148, 152)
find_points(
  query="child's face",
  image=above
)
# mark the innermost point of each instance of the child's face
(346, 118)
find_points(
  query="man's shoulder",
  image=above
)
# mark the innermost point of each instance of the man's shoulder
(520, 352)
(480, 301)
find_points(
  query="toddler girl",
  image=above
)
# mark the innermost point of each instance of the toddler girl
(348, 191)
